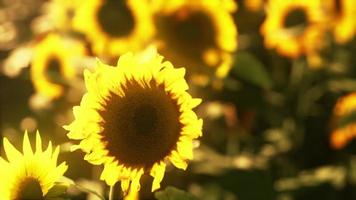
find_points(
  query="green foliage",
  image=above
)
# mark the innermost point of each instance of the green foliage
(172, 193)
(57, 192)
(348, 119)
(248, 68)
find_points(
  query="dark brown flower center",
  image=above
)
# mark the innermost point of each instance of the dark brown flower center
(53, 71)
(145, 117)
(338, 7)
(29, 189)
(142, 127)
(296, 17)
(115, 18)
(186, 35)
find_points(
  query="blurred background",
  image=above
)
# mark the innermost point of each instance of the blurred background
(277, 79)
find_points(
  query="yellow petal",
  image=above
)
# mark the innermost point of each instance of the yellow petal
(27, 150)
(135, 184)
(12, 153)
(195, 102)
(132, 196)
(3, 163)
(185, 148)
(178, 161)
(48, 152)
(110, 174)
(157, 172)
(125, 185)
(55, 156)
(38, 142)
(89, 83)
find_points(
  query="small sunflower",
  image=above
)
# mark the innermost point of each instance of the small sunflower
(293, 27)
(254, 5)
(60, 12)
(134, 117)
(342, 136)
(343, 17)
(114, 26)
(54, 54)
(200, 34)
(30, 175)
(345, 107)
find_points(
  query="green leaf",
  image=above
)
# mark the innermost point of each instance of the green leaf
(56, 191)
(346, 120)
(172, 193)
(248, 68)
(57, 198)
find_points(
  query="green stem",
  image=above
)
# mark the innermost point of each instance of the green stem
(111, 193)
(81, 188)
(71, 182)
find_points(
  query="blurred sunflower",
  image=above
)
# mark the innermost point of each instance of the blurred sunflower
(342, 136)
(254, 5)
(200, 35)
(293, 27)
(343, 17)
(114, 27)
(345, 105)
(52, 64)
(60, 12)
(134, 117)
(30, 175)
(344, 108)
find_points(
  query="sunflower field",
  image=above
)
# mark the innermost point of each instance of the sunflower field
(178, 99)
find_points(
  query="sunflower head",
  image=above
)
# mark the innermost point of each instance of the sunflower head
(342, 15)
(134, 117)
(200, 35)
(293, 27)
(345, 105)
(53, 64)
(31, 174)
(343, 121)
(254, 5)
(114, 26)
(60, 13)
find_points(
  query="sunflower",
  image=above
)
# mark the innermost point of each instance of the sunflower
(345, 105)
(60, 12)
(114, 26)
(200, 35)
(342, 15)
(254, 5)
(344, 108)
(342, 136)
(134, 117)
(53, 55)
(30, 175)
(293, 27)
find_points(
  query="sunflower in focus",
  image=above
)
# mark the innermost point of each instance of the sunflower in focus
(53, 64)
(114, 26)
(200, 35)
(293, 27)
(30, 175)
(343, 18)
(345, 108)
(134, 117)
